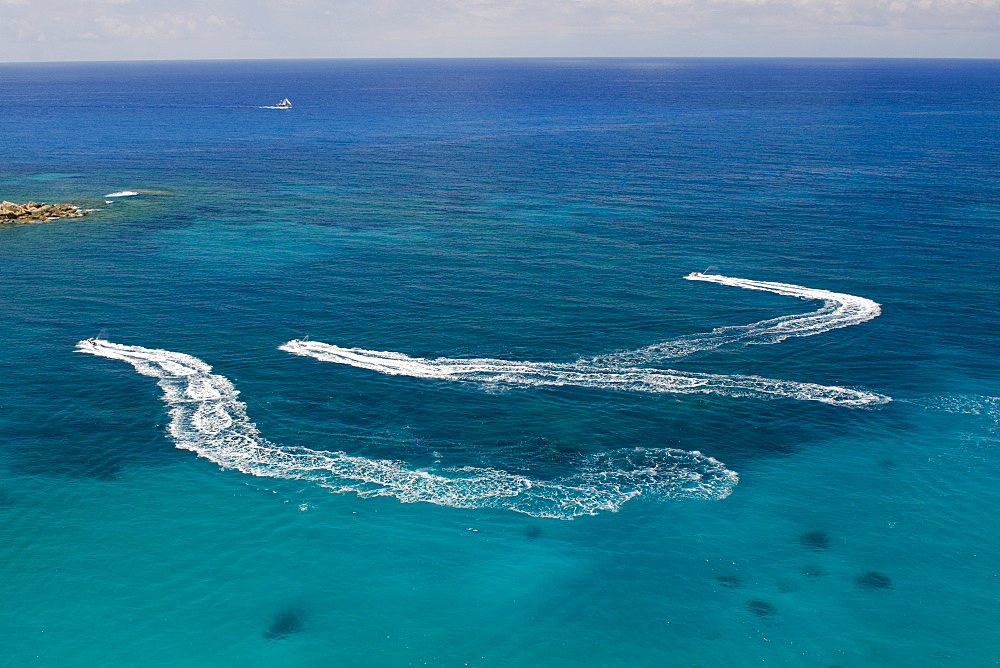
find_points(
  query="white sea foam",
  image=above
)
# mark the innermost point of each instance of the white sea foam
(207, 418)
(839, 310)
(580, 374)
(123, 193)
(967, 404)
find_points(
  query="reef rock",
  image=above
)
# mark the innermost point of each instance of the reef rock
(12, 212)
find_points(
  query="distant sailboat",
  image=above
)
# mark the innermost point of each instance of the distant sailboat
(284, 104)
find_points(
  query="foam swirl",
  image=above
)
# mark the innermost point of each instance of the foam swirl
(207, 418)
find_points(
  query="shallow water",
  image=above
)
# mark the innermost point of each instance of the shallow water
(536, 213)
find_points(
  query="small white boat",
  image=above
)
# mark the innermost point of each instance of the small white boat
(284, 104)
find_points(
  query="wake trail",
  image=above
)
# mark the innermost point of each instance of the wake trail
(207, 418)
(985, 406)
(611, 371)
(580, 374)
(839, 310)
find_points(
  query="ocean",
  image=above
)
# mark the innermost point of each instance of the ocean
(554, 362)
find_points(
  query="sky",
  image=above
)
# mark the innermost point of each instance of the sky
(81, 30)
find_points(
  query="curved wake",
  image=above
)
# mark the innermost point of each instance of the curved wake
(607, 372)
(839, 310)
(580, 374)
(207, 418)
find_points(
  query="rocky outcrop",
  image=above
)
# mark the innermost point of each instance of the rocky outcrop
(11, 212)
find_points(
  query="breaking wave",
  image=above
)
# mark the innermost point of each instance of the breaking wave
(580, 374)
(207, 418)
(839, 310)
(123, 193)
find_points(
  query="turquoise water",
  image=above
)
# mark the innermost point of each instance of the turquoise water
(372, 497)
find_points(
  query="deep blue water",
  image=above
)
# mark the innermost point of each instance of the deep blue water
(540, 211)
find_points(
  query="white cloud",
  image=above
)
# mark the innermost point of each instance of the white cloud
(168, 26)
(325, 28)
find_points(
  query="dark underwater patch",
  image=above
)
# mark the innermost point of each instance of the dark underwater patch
(533, 532)
(730, 581)
(815, 540)
(873, 580)
(99, 445)
(760, 608)
(285, 623)
(71, 461)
